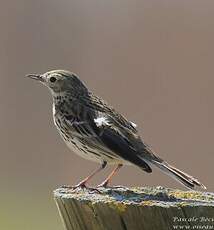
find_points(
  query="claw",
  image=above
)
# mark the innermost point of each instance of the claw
(81, 186)
(104, 184)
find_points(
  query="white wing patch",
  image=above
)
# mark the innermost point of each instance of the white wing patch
(101, 121)
(133, 124)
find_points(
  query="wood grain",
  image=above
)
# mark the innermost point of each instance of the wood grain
(134, 208)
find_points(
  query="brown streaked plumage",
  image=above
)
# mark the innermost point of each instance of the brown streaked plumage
(94, 130)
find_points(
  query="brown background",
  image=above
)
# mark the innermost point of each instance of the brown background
(152, 60)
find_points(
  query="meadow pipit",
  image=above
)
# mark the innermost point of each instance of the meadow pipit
(94, 130)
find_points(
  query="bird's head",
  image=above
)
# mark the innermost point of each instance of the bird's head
(61, 81)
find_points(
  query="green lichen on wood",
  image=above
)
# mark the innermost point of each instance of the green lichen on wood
(193, 195)
(120, 207)
(131, 208)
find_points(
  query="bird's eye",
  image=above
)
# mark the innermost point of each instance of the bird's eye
(52, 79)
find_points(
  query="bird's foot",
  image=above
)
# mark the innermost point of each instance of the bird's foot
(105, 184)
(118, 186)
(79, 187)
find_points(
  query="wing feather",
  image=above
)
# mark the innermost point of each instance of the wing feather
(107, 129)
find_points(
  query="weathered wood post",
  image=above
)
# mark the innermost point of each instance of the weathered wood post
(135, 208)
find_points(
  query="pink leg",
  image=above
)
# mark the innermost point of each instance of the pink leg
(83, 182)
(107, 180)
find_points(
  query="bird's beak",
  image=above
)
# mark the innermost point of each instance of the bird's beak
(36, 77)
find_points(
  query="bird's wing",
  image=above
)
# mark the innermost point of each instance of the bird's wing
(104, 128)
(120, 140)
(102, 109)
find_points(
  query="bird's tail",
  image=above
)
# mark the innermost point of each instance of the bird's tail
(179, 175)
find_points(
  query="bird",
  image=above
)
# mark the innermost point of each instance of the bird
(94, 130)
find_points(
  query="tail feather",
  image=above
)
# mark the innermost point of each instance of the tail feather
(179, 175)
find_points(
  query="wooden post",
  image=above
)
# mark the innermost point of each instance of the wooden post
(135, 209)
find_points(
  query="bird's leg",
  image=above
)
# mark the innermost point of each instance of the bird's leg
(82, 184)
(107, 180)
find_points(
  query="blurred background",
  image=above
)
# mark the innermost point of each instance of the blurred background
(152, 60)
